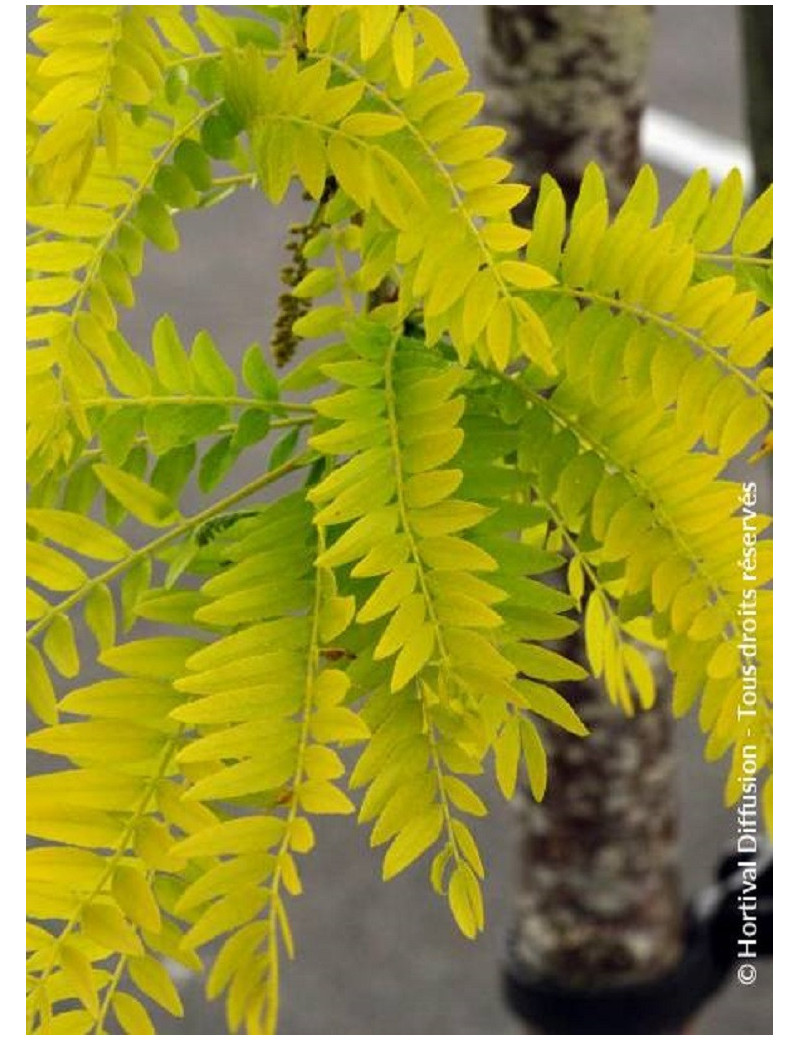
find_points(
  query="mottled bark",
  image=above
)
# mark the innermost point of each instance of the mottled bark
(569, 85)
(599, 902)
(757, 48)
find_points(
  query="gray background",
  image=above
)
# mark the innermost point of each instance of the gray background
(380, 958)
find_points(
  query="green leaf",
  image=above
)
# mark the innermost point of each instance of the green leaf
(192, 160)
(155, 222)
(283, 449)
(218, 137)
(172, 365)
(210, 368)
(258, 376)
(145, 503)
(175, 188)
(215, 463)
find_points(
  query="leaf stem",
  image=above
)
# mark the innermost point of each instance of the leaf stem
(736, 258)
(152, 547)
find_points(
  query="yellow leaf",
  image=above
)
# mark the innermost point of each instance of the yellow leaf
(461, 896)
(40, 693)
(754, 342)
(338, 724)
(153, 979)
(131, 1015)
(525, 276)
(77, 532)
(413, 657)
(227, 913)
(575, 578)
(135, 898)
(390, 593)
(535, 758)
(376, 23)
(724, 661)
(746, 421)
(720, 218)
(78, 969)
(50, 292)
(323, 798)
(142, 501)
(59, 645)
(234, 837)
(703, 300)
(58, 256)
(507, 749)
(403, 50)
(505, 237)
(447, 553)
(371, 124)
(320, 19)
(641, 674)
(104, 924)
(551, 705)
(499, 332)
(412, 841)
(534, 339)
(549, 226)
(463, 797)
(438, 37)
(755, 231)
(349, 166)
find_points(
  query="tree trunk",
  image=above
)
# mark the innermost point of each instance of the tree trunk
(599, 903)
(757, 52)
(569, 85)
